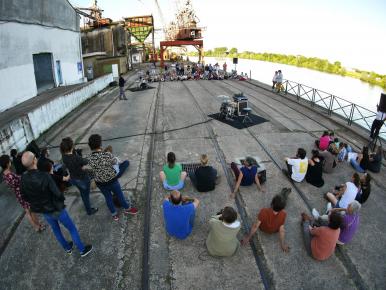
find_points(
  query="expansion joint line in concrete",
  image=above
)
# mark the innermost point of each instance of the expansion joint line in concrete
(265, 273)
(149, 188)
(341, 253)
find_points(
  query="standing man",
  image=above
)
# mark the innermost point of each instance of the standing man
(41, 192)
(224, 67)
(274, 80)
(377, 123)
(279, 81)
(122, 82)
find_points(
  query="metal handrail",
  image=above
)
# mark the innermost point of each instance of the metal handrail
(351, 113)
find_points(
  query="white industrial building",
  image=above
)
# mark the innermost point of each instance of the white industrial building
(40, 48)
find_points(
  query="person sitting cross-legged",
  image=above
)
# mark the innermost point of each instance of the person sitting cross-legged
(297, 167)
(179, 213)
(346, 193)
(320, 242)
(172, 176)
(204, 177)
(246, 175)
(222, 239)
(271, 220)
(43, 196)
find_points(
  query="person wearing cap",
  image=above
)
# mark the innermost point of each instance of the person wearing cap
(246, 175)
(204, 177)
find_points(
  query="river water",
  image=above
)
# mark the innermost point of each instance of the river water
(350, 89)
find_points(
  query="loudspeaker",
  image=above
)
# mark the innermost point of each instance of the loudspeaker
(382, 103)
(235, 60)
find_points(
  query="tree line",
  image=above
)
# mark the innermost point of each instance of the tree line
(314, 63)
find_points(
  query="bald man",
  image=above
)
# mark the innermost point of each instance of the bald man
(40, 190)
(179, 214)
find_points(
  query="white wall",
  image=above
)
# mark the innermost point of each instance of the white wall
(19, 132)
(18, 42)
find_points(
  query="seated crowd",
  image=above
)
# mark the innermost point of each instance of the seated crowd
(40, 189)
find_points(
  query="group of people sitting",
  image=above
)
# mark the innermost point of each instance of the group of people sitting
(179, 210)
(39, 185)
(338, 226)
(191, 71)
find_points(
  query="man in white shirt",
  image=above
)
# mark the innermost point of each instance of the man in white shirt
(279, 81)
(346, 193)
(377, 123)
(274, 81)
(297, 167)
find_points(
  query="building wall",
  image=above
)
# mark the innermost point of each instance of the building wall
(99, 64)
(106, 39)
(18, 43)
(54, 13)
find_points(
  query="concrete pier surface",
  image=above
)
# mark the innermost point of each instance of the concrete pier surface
(181, 109)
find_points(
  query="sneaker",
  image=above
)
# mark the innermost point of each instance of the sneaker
(93, 210)
(69, 251)
(116, 217)
(315, 213)
(329, 207)
(131, 211)
(87, 250)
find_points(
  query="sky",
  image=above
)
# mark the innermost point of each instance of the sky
(353, 32)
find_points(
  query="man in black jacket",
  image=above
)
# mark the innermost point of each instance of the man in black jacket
(122, 81)
(40, 190)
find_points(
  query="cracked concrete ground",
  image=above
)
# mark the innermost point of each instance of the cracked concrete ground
(36, 261)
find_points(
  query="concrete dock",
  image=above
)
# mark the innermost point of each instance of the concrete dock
(173, 116)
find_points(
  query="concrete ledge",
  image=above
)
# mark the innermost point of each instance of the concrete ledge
(28, 120)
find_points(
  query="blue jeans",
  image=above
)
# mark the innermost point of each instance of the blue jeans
(356, 166)
(83, 186)
(65, 220)
(122, 168)
(115, 188)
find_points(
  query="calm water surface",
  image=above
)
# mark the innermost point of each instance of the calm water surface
(353, 90)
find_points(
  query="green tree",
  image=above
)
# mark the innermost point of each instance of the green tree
(233, 50)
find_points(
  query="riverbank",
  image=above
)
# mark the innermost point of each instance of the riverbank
(312, 63)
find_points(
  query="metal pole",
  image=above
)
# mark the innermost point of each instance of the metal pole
(250, 74)
(351, 114)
